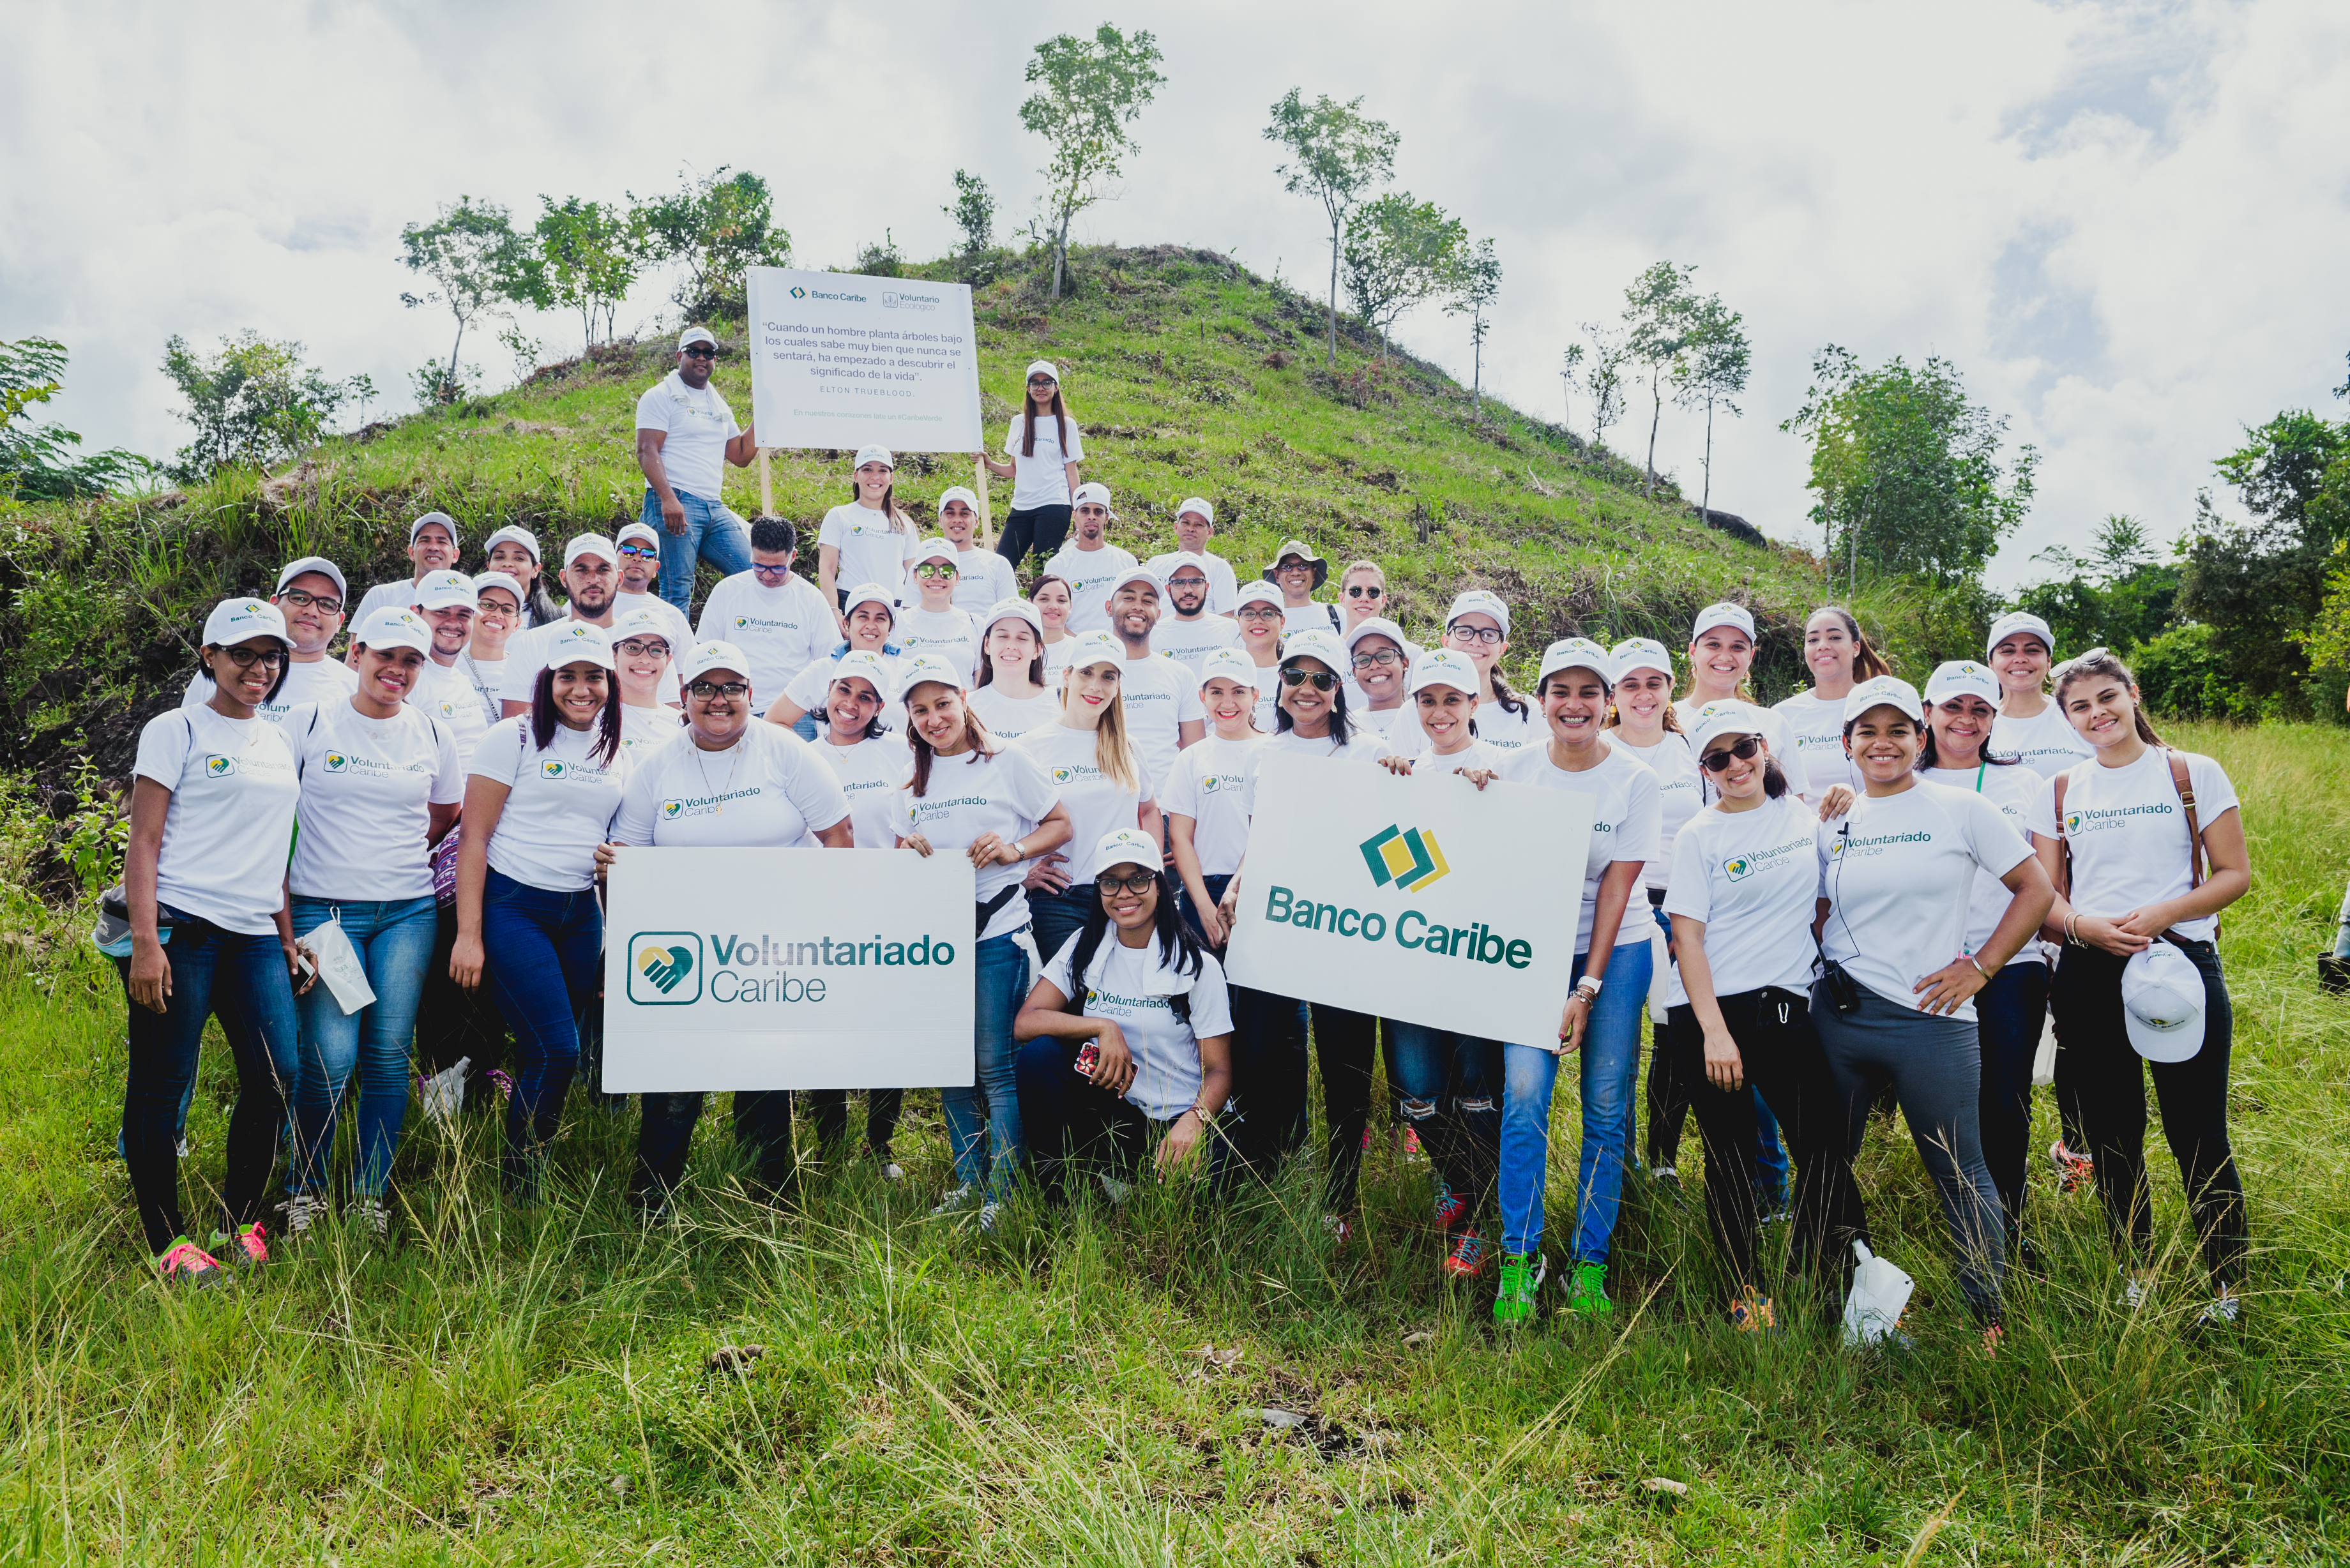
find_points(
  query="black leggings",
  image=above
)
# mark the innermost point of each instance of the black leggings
(1343, 1043)
(829, 1108)
(2107, 1077)
(1040, 529)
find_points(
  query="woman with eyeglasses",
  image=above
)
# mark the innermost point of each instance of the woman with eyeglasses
(542, 790)
(1721, 653)
(726, 782)
(1012, 697)
(1051, 598)
(995, 804)
(497, 616)
(1128, 1034)
(1098, 775)
(931, 624)
(1044, 447)
(514, 551)
(865, 539)
(1837, 655)
(1478, 625)
(1261, 620)
(872, 621)
(210, 932)
(1380, 658)
(641, 652)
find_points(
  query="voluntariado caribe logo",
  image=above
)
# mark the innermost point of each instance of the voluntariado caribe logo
(1409, 857)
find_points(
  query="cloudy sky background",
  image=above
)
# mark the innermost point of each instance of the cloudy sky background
(2125, 222)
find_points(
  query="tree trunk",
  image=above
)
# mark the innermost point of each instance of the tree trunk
(450, 381)
(1061, 252)
(1656, 418)
(1706, 505)
(1334, 292)
(1477, 369)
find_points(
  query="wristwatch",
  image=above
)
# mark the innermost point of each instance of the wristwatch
(1587, 987)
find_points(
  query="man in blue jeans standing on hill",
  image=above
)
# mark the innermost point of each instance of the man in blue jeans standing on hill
(686, 435)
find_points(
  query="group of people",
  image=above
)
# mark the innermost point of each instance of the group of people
(1867, 890)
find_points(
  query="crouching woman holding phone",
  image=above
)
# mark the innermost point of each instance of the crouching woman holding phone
(1128, 1040)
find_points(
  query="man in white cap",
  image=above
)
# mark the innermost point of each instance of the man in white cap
(981, 576)
(641, 567)
(1190, 634)
(1088, 562)
(310, 597)
(1195, 526)
(432, 547)
(591, 576)
(778, 619)
(1298, 571)
(1163, 711)
(686, 435)
(447, 601)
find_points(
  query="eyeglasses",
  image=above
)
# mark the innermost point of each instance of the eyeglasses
(643, 552)
(1488, 635)
(1365, 591)
(639, 647)
(938, 569)
(1383, 658)
(774, 573)
(244, 658)
(700, 351)
(1743, 751)
(302, 598)
(1293, 564)
(1258, 612)
(1041, 381)
(1187, 583)
(1322, 679)
(1140, 882)
(727, 688)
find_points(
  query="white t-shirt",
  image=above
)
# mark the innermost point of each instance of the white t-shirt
(1676, 768)
(1899, 874)
(1752, 876)
(1776, 732)
(1312, 615)
(1624, 823)
(697, 425)
(1476, 754)
(1160, 697)
(487, 678)
(1223, 588)
(2016, 791)
(811, 688)
(1268, 697)
(1364, 745)
(561, 804)
(1400, 725)
(1189, 642)
(1042, 480)
(1205, 786)
(1089, 573)
(870, 550)
(2128, 833)
(868, 772)
(1056, 658)
(781, 632)
(230, 821)
(768, 789)
(950, 633)
(321, 681)
(1097, 806)
(1005, 793)
(2047, 742)
(1129, 986)
(1818, 726)
(368, 789)
(677, 628)
(398, 594)
(643, 731)
(1008, 719)
(1508, 731)
(981, 577)
(447, 693)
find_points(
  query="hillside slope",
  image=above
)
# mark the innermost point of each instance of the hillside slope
(1189, 374)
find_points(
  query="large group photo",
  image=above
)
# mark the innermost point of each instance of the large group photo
(1008, 897)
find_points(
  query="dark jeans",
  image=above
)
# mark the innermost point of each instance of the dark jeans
(1268, 1118)
(452, 1023)
(542, 950)
(2095, 1058)
(1041, 529)
(1668, 1098)
(1779, 1050)
(829, 1107)
(1450, 1089)
(762, 1129)
(242, 981)
(1058, 916)
(2009, 1012)
(1345, 1044)
(1073, 1127)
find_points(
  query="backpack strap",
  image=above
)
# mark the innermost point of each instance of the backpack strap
(2064, 844)
(2185, 786)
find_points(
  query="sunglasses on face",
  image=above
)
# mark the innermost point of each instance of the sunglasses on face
(1041, 381)
(246, 657)
(1381, 659)
(642, 552)
(1288, 566)
(302, 598)
(727, 688)
(938, 569)
(1743, 751)
(701, 352)
(777, 573)
(641, 648)
(1365, 591)
(1322, 680)
(1140, 883)
(1488, 635)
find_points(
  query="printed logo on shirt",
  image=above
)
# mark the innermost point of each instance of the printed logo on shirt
(1066, 771)
(1410, 858)
(1214, 783)
(672, 808)
(448, 708)
(1860, 849)
(2095, 819)
(1112, 999)
(661, 963)
(1739, 867)
(219, 767)
(336, 762)
(551, 769)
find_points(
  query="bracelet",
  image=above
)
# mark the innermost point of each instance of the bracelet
(1978, 963)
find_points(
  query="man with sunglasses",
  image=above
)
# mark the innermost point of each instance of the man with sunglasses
(1298, 571)
(310, 597)
(1190, 634)
(686, 434)
(1195, 525)
(641, 567)
(1088, 562)
(777, 618)
(591, 576)
(432, 545)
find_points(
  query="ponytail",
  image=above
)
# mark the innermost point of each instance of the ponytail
(1867, 664)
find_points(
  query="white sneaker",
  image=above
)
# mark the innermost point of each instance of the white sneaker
(2224, 1308)
(988, 1214)
(955, 1202)
(376, 1215)
(893, 1171)
(1117, 1192)
(301, 1209)
(2133, 1293)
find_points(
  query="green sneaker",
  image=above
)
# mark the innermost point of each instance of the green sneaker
(1587, 1293)
(1521, 1276)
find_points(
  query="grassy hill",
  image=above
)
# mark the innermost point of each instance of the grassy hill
(1189, 375)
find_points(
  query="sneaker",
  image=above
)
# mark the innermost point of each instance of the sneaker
(1451, 1210)
(1522, 1277)
(1410, 1145)
(955, 1202)
(2223, 1311)
(1466, 1260)
(248, 1245)
(376, 1215)
(185, 1263)
(1587, 1293)
(2073, 1171)
(1754, 1314)
(1339, 1232)
(1992, 1335)
(301, 1210)
(892, 1171)
(1666, 1173)
(989, 1213)
(1117, 1192)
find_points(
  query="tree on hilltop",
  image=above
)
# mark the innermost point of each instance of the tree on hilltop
(1474, 281)
(37, 461)
(1711, 370)
(475, 259)
(1338, 156)
(1657, 319)
(1399, 254)
(1089, 92)
(586, 259)
(715, 228)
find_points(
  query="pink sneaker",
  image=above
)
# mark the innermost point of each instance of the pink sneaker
(185, 1263)
(249, 1245)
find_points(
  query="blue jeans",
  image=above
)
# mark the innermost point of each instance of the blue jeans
(1610, 1052)
(243, 980)
(394, 942)
(1060, 916)
(712, 534)
(989, 1111)
(543, 948)
(1448, 1083)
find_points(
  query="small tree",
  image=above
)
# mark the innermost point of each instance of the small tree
(1712, 368)
(713, 228)
(585, 260)
(1399, 254)
(37, 461)
(1655, 325)
(1475, 281)
(974, 212)
(1603, 378)
(252, 404)
(475, 259)
(1089, 92)
(1336, 155)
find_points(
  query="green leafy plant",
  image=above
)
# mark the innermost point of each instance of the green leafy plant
(1399, 254)
(474, 260)
(1088, 90)
(1474, 280)
(1337, 155)
(37, 461)
(713, 229)
(96, 834)
(252, 402)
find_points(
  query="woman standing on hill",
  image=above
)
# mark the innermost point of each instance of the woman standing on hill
(865, 539)
(2138, 822)
(1097, 773)
(1012, 697)
(210, 932)
(1837, 654)
(514, 551)
(1045, 448)
(1478, 625)
(1720, 652)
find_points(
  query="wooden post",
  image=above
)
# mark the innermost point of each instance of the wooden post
(766, 486)
(986, 529)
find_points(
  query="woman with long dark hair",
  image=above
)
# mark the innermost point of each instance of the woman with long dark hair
(1838, 656)
(1478, 625)
(1045, 447)
(1013, 695)
(867, 538)
(514, 550)
(1721, 656)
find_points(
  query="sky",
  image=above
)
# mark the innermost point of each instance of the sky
(2123, 223)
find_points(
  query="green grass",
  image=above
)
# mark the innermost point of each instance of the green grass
(509, 1386)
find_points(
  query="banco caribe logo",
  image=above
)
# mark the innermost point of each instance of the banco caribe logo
(1409, 857)
(799, 293)
(660, 966)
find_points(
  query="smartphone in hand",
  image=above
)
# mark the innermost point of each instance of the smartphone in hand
(1088, 1058)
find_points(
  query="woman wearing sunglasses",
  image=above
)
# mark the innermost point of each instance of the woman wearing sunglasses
(1012, 697)
(1362, 593)
(1045, 447)
(1098, 775)
(642, 653)
(931, 624)
(1479, 627)
(872, 620)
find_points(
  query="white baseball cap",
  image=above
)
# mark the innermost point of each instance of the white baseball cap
(2162, 1003)
(639, 531)
(939, 549)
(1729, 615)
(442, 518)
(578, 642)
(646, 621)
(879, 454)
(962, 493)
(1379, 626)
(1036, 365)
(1013, 609)
(1884, 692)
(1092, 494)
(1576, 653)
(1257, 592)
(513, 534)
(591, 544)
(926, 667)
(1731, 716)
(1096, 648)
(1124, 848)
(1444, 666)
(1640, 653)
(864, 663)
(447, 590)
(1194, 504)
(393, 627)
(1138, 573)
(318, 563)
(485, 581)
(695, 334)
(1958, 677)
(1229, 662)
(2013, 621)
(705, 656)
(1178, 559)
(1478, 601)
(1316, 643)
(871, 594)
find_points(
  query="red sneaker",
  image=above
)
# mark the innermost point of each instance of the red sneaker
(1451, 1210)
(185, 1263)
(2073, 1171)
(249, 1245)
(1467, 1257)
